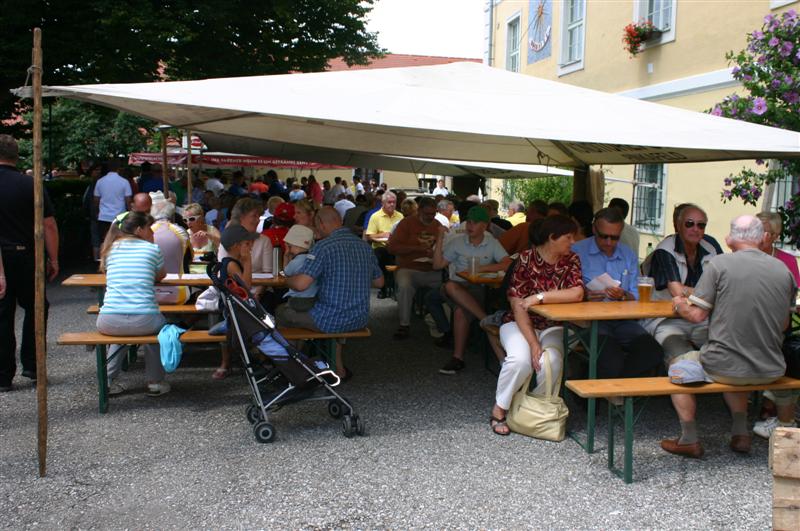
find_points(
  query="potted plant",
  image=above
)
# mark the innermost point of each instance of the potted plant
(637, 33)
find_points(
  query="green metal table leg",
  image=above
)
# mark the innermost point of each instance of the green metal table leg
(590, 417)
(611, 428)
(629, 421)
(102, 378)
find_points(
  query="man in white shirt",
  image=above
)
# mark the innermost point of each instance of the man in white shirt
(444, 212)
(112, 196)
(440, 189)
(358, 186)
(343, 205)
(214, 184)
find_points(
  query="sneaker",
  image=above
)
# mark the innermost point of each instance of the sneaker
(764, 428)
(158, 389)
(31, 375)
(115, 388)
(452, 366)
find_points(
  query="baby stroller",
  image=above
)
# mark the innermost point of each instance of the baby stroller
(278, 373)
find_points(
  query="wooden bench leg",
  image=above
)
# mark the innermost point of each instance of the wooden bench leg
(102, 378)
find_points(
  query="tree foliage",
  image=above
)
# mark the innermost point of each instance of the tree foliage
(769, 69)
(548, 189)
(97, 41)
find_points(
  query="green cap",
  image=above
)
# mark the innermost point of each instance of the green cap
(478, 213)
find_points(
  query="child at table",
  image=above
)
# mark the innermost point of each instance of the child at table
(238, 241)
(298, 241)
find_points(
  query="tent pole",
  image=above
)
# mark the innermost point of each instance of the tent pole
(38, 231)
(164, 167)
(189, 169)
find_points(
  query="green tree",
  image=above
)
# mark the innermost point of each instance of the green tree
(548, 189)
(97, 41)
(769, 70)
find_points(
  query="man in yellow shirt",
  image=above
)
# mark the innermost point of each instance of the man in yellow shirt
(516, 213)
(378, 230)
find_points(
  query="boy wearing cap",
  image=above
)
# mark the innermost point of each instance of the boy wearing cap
(298, 241)
(281, 221)
(456, 254)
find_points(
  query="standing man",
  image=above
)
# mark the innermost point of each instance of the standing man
(112, 197)
(440, 189)
(378, 231)
(628, 350)
(412, 244)
(747, 298)
(344, 270)
(19, 262)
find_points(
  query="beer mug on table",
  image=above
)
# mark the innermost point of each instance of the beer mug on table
(645, 285)
(474, 263)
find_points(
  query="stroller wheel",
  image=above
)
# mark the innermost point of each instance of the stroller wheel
(348, 427)
(361, 428)
(264, 432)
(335, 409)
(253, 413)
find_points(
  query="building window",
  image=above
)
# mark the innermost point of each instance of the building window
(648, 197)
(662, 14)
(573, 17)
(512, 45)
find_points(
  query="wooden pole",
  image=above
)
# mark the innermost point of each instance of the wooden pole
(38, 231)
(164, 167)
(189, 170)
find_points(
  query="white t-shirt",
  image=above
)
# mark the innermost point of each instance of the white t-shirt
(440, 191)
(443, 220)
(112, 189)
(342, 206)
(214, 185)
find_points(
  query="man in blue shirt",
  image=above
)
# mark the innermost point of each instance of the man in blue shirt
(629, 351)
(344, 268)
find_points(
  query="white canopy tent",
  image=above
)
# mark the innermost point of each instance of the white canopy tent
(457, 112)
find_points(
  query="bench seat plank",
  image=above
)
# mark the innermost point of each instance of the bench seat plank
(163, 308)
(660, 386)
(194, 336)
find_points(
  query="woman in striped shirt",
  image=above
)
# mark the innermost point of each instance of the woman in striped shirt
(133, 264)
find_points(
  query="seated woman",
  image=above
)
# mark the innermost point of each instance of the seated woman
(304, 213)
(547, 273)
(133, 264)
(203, 237)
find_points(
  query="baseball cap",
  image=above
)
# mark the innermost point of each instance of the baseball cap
(300, 235)
(236, 233)
(285, 212)
(478, 213)
(687, 372)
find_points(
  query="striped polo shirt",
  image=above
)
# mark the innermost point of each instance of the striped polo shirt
(131, 267)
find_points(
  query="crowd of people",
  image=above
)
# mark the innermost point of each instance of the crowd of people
(338, 241)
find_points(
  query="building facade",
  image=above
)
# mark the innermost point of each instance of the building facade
(683, 65)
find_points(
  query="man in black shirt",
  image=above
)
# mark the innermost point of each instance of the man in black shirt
(16, 243)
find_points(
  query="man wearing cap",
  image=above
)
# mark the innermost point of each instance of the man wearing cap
(379, 229)
(412, 244)
(468, 298)
(628, 350)
(744, 347)
(344, 269)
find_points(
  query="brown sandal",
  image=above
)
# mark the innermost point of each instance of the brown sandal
(494, 422)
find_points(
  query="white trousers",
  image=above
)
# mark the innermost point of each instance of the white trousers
(517, 365)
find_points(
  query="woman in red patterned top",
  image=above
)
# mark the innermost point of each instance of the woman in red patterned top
(547, 273)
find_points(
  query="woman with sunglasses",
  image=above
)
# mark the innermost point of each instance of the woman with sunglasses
(676, 266)
(204, 238)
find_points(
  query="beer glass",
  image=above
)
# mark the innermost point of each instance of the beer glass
(645, 285)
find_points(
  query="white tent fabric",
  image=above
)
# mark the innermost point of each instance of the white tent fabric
(459, 111)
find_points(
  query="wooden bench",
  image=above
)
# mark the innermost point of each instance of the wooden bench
(630, 388)
(100, 341)
(163, 308)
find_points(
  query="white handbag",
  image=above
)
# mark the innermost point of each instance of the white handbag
(539, 416)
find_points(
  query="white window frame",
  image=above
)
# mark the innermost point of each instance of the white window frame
(659, 230)
(776, 4)
(640, 13)
(517, 17)
(565, 66)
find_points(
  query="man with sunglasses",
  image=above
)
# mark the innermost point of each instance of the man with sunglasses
(628, 351)
(676, 265)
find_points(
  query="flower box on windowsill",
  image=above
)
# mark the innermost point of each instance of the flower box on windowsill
(654, 35)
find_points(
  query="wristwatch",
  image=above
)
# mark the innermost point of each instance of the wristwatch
(540, 297)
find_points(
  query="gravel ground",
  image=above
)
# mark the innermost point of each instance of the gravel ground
(189, 460)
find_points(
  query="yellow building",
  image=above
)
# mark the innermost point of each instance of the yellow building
(580, 42)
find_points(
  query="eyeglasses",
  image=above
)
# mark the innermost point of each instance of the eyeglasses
(601, 236)
(689, 223)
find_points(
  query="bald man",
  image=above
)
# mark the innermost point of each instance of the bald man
(141, 203)
(343, 267)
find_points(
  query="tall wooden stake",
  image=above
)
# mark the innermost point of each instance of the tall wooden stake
(189, 170)
(164, 167)
(38, 231)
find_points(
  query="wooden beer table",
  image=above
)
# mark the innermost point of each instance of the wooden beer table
(490, 280)
(95, 280)
(576, 313)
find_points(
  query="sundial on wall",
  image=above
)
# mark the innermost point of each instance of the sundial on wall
(541, 28)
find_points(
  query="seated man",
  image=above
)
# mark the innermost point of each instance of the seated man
(744, 346)
(468, 298)
(516, 213)
(412, 244)
(515, 240)
(628, 350)
(379, 229)
(676, 265)
(344, 269)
